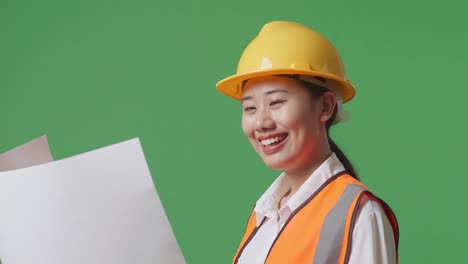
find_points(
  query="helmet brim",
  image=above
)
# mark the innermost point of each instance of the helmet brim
(232, 85)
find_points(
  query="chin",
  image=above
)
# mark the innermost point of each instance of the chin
(275, 164)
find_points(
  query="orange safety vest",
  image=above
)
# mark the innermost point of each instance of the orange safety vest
(321, 229)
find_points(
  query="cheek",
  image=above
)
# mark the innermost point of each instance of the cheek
(288, 117)
(247, 126)
(300, 121)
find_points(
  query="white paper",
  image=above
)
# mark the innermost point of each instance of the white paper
(100, 207)
(29, 154)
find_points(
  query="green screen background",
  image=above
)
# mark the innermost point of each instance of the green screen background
(91, 73)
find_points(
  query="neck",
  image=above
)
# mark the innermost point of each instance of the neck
(297, 176)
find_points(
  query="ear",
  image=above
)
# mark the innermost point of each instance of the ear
(328, 104)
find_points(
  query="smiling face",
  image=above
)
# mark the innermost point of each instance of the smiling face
(284, 124)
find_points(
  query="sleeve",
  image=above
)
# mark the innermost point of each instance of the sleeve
(373, 240)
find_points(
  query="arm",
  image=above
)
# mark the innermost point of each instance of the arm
(373, 241)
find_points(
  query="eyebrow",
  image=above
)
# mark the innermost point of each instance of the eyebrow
(246, 98)
(267, 92)
(276, 91)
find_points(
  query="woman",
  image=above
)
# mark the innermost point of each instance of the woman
(291, 83)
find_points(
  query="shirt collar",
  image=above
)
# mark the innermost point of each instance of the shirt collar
(267, 205)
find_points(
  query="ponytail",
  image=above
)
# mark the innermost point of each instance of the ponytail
(334, 148)
(343, 159)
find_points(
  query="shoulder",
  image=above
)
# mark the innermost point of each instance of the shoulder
(373, 237)
(373, 218)
(372, 208)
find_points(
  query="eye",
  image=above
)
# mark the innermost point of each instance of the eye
(249, 109)
(277, 102)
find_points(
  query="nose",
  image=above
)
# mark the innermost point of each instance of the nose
(264, 121)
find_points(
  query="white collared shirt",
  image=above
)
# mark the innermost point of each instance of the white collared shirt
(373, 241)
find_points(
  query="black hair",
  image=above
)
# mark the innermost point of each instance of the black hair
(316, 91)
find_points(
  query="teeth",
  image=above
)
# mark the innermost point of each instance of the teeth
(268, 141)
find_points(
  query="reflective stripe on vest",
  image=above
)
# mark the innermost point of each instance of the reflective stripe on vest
(331, 236)
(319, 231)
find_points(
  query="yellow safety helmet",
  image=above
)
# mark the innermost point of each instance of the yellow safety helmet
(284, 47)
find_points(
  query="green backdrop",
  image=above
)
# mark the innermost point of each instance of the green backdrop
(90, 73)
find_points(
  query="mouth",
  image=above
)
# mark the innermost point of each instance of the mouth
(273, 143)
(273, 140)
